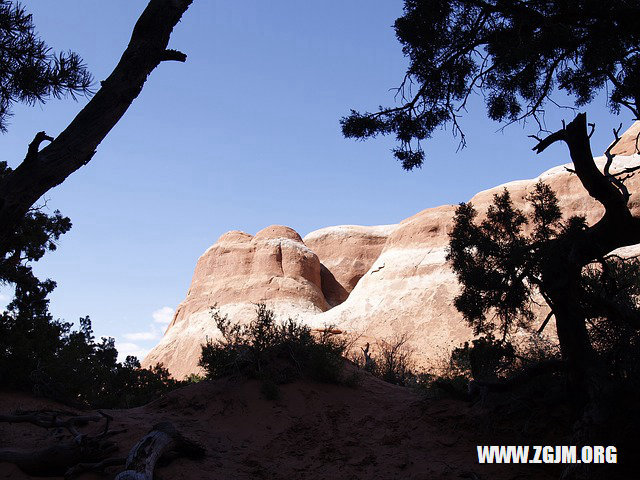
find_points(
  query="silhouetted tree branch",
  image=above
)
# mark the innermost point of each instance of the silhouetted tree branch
(516, 54)
(76, 145)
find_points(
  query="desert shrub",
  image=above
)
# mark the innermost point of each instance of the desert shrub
(273, 352)
(50, 359)
(194, 378)
(485, 358)
(394, 361)
(612, 308)
(390, 360)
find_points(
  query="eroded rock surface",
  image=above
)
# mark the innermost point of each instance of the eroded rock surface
(374, 282)
(273, 267)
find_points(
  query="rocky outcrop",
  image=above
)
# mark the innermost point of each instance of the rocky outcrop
(629, 141)
(346, 253)
(409, 289)
(238, 271)
(373, 282)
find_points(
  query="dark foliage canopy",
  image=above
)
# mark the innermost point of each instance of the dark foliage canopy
(515, 53)
(499, 263)
(271, 351)
(30, 71)
(36, 234)
(47, 356)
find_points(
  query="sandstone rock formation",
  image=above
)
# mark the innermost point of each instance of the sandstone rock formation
(238, 271)
(373, 282)
(629, 142)
(346, 252)
(410, 287)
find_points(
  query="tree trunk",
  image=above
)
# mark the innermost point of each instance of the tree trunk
(75, 146)
(574, 343)
(569, 253)
(144, 455)
(586, 377)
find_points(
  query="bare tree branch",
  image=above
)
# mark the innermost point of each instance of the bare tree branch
(77, 144)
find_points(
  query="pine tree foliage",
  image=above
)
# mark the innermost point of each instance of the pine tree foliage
(30, 71)
(498, 262)
(515, 53)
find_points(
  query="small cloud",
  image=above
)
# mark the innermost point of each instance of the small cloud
(163, 315)
(127, 348)
(142, 336)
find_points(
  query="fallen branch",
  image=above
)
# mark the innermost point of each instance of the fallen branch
(57, 459)
(50, 419)
(86, 453)
(161, 440)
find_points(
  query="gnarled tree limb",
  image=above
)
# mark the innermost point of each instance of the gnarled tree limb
(617, 228)
(162, 439)
(77, 144)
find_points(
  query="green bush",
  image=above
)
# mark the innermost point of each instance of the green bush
(485, 358)
(50, 359)
(389, 360)
(272, 352)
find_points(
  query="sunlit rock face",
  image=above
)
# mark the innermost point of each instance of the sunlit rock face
(375, 283)
(410, 287)
(347, 253)
(273, 267)
(629, 141)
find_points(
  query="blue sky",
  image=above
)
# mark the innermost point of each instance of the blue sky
(242, 136)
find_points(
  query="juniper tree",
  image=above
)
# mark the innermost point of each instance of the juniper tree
(517, 54)
(31, 341)
(41, 74)
(30, 72)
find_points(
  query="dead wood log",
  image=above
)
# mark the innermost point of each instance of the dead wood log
(46, 419)
(56, 460)
(160, 441)
(91, 453)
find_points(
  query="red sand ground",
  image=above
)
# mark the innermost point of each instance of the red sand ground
(314, 431)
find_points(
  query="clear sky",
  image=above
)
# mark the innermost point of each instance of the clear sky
(242, 136)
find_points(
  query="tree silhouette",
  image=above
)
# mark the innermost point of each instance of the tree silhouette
(75, 146)
(517, 53)
(29, 71)
(37, 351)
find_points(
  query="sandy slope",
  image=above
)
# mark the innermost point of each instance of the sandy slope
(314, 431)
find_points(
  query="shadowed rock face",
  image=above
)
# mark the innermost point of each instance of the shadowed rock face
(376, 282)
(347, 252)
